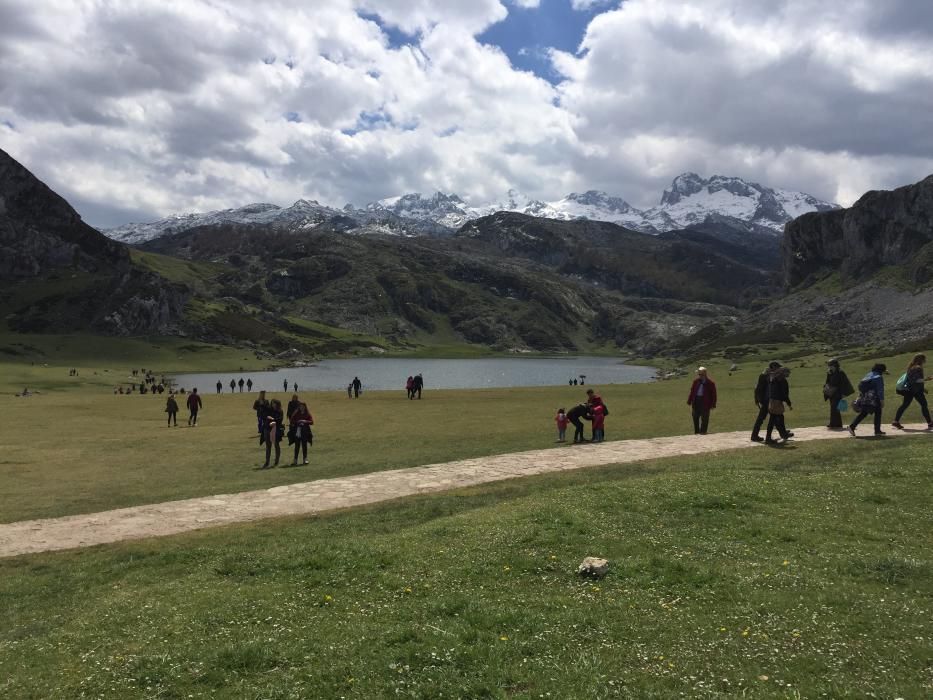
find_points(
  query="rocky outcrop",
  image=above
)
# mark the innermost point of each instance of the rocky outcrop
(88, 280)
(40, 232)
(882, 228)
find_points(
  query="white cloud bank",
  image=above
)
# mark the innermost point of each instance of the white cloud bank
(143, 108)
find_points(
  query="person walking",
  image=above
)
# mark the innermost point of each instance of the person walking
(300, 423)
(194, 405)
(220, 387)
(273, 431)
(357, 385)
(703, 400)
(232, 385)
(261, 406)
(171, 408)
(836, 388)
(871, 398)
(249, 384)
(409, 387)
(240, 384)
(574, 415)
(913, 390)
(417, 386)
(561, 420)
(761, 400)
(778, 396)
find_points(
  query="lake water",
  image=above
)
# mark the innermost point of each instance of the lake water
(391, 373)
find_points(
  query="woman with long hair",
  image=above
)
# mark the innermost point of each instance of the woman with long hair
(300, 426)
(913, 390)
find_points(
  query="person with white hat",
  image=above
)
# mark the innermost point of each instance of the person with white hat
(703, 399)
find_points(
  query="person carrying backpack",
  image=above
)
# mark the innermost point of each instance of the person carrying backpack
(836, 388)
(871, 398)
(910, 387)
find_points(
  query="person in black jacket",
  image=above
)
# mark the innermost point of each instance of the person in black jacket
(273, 432)
(778, 395)
(761, 400)
(574, 415)
(836, 388)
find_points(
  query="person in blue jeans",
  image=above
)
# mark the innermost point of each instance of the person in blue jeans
(871, 398)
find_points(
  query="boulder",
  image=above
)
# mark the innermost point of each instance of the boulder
(593, 567)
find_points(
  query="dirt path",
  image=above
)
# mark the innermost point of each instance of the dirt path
(173, 517)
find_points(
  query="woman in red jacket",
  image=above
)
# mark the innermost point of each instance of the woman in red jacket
(703, 400)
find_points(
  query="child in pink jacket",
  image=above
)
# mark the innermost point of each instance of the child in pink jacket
(562, 421)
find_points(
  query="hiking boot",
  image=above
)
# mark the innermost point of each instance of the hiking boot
(789, 435)
(851, 430)
(896, 424)
(757, 438)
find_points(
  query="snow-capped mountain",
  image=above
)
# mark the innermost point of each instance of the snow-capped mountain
(301, 214)
(690, 200)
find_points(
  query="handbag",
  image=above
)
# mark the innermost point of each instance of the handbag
(776, 407)
(842, 406)
(828, 391)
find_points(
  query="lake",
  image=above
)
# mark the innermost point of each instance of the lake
(391, 373)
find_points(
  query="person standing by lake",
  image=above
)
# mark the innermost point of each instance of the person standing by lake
(417, 386)
(220, 387)
(778, 396)
(409, 387)
(194, 405)
(702, 398)
(232, 386)
(249, 384)
(171, 408)
(836, 388)
(273, 432)
(913, 390)
(300, 423)
(357, 385)
(871, 398)
(593, 399)
(240, 384)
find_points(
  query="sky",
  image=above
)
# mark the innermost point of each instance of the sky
(137, 109)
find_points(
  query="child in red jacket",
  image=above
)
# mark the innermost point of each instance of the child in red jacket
(562, 420)
(599, 422)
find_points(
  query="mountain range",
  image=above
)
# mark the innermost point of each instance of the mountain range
(689, 201)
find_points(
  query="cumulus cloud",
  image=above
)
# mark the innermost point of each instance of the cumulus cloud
(151, 107)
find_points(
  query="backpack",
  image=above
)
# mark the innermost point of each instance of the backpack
(903, 385)
(865, 385)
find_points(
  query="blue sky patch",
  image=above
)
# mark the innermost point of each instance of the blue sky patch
(369, 121)
(293, 117)
(527, 33)
(397, 38)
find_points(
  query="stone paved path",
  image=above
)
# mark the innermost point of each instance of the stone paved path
(173, 517)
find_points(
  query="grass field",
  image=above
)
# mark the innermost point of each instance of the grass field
(778, 573)
(800, 572)
(77, 448)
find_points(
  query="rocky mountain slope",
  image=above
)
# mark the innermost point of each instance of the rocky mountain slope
(691, 200)
(58, 273)
(863, 275)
